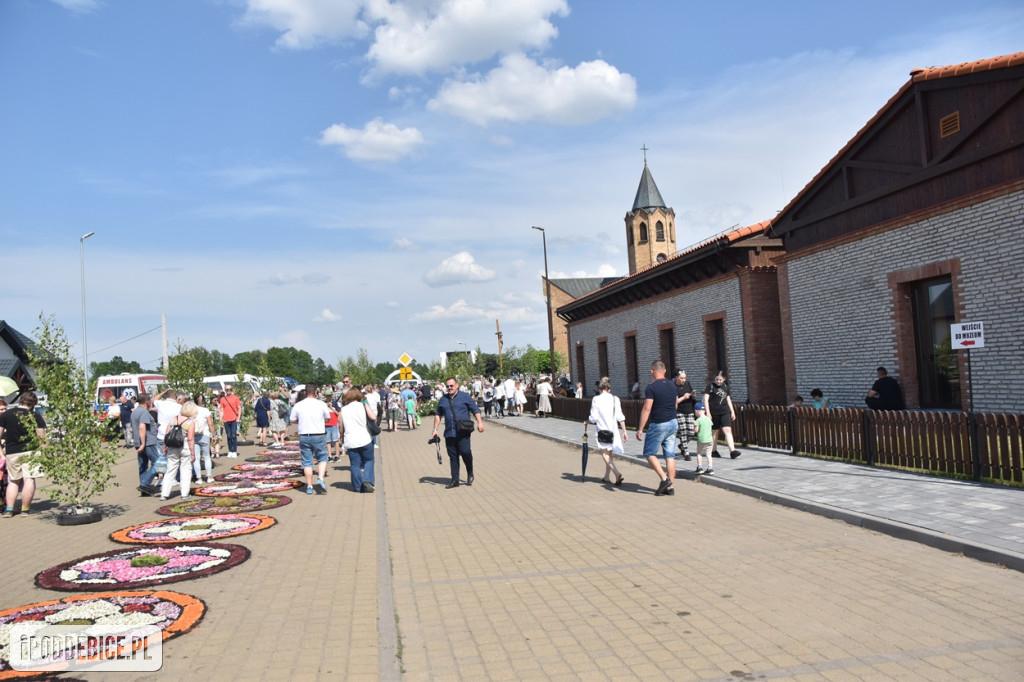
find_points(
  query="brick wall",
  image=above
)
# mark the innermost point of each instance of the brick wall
(844, 317)
(685, 310)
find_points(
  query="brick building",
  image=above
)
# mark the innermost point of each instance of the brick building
(914, 225)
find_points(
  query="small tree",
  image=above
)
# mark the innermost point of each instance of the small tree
(73, 455)
(186, 370)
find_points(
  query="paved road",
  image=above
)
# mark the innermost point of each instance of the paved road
(533, 574)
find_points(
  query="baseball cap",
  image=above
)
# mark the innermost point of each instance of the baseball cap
(699, 406)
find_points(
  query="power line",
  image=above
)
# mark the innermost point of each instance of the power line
(150, 331)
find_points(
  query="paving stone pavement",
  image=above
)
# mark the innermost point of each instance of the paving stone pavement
(535, 574)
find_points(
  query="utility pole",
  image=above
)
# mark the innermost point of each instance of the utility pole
(163, 324)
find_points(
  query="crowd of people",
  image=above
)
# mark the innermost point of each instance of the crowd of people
(176, 436)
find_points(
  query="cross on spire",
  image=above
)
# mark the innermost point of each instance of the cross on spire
(644, 148)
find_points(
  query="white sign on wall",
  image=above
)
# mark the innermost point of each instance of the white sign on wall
(967, 335)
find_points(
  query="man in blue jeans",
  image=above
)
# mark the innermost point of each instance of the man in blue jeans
(311, 415)
(660, 411)
(144, 436)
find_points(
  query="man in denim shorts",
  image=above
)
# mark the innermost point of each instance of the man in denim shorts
(660, 410)
(311, 415)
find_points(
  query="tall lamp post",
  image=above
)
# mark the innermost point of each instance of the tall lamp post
(85, 345)
(547, 295)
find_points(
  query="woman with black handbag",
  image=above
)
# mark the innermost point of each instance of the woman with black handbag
(606, 414)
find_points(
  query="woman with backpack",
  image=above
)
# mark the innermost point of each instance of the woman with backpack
(179, 445)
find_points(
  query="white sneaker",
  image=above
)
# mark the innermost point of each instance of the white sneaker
(209, 479)
(232, 455)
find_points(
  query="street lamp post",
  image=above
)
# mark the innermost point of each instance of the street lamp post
(85, 345)
(547, 295)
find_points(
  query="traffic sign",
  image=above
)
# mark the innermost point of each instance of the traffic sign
(404, 360)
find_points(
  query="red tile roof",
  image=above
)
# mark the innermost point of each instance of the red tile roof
(916, 76)
(729, 237)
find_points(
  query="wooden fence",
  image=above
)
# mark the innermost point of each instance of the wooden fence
(983, 447)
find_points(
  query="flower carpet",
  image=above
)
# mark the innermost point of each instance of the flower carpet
(250, 487)
(141, 567)
(257, 475)
(192, 529)
(174, 613)
(239, 504)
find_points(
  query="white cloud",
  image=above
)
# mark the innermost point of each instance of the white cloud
(420, 37)
(406, 244)
(327, 316)
(280, 279)
(241, 176)
(81, 6)
(308, 23)
(520, 90)
(457, 269)
(603, 270)
(377, 141)
(461, 311)
(391, 304)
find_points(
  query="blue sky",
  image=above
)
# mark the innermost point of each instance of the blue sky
(336, 174)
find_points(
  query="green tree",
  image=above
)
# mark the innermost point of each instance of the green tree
(323, 373)
(186, 369)
(115, 365)
(268, 382)
(360, 368)
(76, 460)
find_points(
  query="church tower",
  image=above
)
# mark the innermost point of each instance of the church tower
(650, 225)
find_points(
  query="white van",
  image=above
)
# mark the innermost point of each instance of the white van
(116, 385)
(218, 382)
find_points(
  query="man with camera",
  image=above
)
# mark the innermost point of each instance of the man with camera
(459, 411)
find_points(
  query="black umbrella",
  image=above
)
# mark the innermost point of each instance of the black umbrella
(586, 454)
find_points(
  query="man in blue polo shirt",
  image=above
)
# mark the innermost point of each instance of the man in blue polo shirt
(660, 411)
(457, 406)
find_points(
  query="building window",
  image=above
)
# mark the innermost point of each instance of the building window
(938, 371)
(667, 348)
(581, 375)
(632, 362)
(661, 258)
(602, 357)
(659, 231)
(643, 233)
(714, 340)
(629, 234)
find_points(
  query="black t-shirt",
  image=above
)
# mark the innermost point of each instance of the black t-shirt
(16, 437)
(663, 392)
(685, 406)
(890, 397)
(717, 398)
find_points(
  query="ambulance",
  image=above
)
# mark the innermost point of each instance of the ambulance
(131, 385)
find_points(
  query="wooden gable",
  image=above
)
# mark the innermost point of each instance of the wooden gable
(946, 134)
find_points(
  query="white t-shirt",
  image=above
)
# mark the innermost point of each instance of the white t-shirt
(202, 421)
(353, 420)
(166, 410)
(311, 414)
(373, 399)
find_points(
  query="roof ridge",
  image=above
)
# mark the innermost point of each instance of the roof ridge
(987, 64)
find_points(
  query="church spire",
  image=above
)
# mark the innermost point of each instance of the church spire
(647, 195)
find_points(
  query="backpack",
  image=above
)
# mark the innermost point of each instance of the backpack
(282, 411)
(175, 437)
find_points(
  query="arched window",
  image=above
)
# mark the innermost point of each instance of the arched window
(643, 233)
(671, 232)
(662, 258)
(659, 232)
(629, 234)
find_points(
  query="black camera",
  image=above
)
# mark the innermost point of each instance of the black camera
(434, 441)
